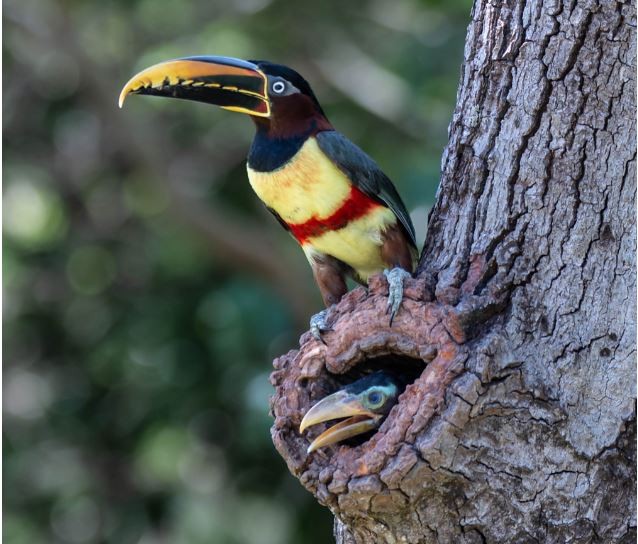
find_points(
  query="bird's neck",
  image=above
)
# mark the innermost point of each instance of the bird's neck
(276, 143)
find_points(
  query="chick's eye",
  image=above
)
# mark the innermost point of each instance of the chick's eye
(279, 87)
(375, 398)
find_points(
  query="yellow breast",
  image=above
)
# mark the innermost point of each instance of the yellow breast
(309, 185)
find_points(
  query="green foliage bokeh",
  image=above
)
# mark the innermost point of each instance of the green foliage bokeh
(139, 331)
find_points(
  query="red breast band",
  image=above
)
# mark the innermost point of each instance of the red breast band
(356, 205)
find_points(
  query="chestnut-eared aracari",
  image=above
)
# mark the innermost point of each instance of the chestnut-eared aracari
(332, 197)
(365, 402)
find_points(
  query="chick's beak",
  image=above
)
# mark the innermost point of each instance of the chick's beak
(336, 406)
(232, 84)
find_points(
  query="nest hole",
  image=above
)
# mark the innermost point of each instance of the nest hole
(408, 368)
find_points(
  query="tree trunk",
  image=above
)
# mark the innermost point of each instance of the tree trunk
(521, 426)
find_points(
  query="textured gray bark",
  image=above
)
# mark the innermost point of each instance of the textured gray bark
(522, 426)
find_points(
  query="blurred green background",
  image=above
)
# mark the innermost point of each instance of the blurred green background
(146, 288)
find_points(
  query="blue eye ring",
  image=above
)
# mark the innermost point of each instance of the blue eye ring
(375, 398)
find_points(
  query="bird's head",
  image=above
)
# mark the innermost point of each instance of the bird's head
(365, 403)
(275, 96)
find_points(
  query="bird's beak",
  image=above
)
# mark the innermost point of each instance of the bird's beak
(336, 406)
(232, 84)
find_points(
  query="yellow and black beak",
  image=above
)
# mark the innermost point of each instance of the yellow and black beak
(341, 404)
(232, 84)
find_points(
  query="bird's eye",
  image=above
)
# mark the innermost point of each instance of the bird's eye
(375, 399)
(278, 87)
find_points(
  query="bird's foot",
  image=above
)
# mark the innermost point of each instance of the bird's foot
(319, 324)
(395, 279)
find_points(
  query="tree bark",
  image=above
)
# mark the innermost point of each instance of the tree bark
(521, 427)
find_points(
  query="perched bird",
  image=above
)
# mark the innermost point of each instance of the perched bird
(365, 402)
(332, 197)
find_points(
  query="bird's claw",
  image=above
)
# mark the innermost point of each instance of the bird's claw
(319, 324)
(395, 279)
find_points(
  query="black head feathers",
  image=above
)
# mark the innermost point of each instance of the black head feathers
(279, 70)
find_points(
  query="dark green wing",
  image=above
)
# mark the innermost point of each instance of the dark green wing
(365, 174)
